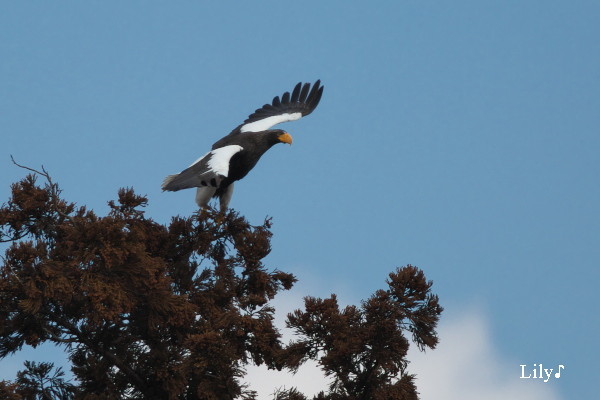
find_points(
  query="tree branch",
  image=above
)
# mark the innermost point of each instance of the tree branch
(136, 379)
(53, 187)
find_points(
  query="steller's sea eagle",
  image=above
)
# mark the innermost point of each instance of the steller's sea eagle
(234, 155)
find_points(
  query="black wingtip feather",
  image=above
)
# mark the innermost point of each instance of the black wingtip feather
(304, 99)
(304, 92)
(314, 97)
(296, 92)
(317, 98)
(313, 92)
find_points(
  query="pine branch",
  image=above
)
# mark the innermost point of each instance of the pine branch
(52, 187)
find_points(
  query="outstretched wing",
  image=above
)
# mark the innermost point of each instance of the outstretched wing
(301, 102)
(208, 170)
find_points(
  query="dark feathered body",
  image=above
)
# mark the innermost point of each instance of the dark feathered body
(255, 144)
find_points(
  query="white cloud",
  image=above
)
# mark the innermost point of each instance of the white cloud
(465, 366)
(309, 379)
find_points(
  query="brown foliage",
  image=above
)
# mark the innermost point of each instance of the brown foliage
(8, 391)
(176, 311)
(363, 348)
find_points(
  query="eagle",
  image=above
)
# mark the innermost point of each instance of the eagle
(234, 155)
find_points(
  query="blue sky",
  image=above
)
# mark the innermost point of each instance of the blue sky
(461, 137)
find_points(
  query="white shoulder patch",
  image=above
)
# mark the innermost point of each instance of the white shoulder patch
(267, 123)
(219, 160)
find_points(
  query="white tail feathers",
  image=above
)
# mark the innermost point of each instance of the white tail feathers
(167, 181)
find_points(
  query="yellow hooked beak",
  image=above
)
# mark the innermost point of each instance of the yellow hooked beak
(285, 138)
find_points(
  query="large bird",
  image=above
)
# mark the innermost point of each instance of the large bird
(234, 155)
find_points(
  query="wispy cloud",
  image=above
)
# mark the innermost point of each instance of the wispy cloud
(466, 365)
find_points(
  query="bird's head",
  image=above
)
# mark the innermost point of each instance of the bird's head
(283, 136)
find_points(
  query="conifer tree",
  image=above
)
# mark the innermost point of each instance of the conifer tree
(177, 311)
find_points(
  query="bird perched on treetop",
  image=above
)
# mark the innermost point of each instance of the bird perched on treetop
(234, 155)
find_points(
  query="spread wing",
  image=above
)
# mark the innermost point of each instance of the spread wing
(208, 170)
(301, 102)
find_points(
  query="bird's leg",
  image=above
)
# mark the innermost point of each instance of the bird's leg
(225, 198)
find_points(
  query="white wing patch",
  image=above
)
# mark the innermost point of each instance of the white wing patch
(219, 160)
(267, 123)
